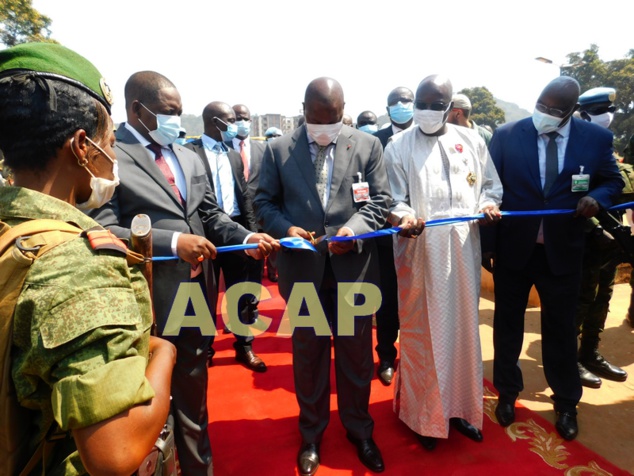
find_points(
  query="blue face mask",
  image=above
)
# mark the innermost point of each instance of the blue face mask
(168, 128)
(401, 113)
(244, 128)
(230, 133)
(369, 128)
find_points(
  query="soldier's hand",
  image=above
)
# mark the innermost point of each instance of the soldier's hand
(266, 244)
(194, 249)
(162, 347)
(411, 226)
(587, 207)
(492, 215)
(342, 247)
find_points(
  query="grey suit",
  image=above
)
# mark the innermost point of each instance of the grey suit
(144, 189)
(287, 196)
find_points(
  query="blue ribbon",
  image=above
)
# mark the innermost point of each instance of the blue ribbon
(294, 243)
(297, 243)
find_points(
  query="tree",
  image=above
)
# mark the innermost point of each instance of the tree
(21, 23)
(484, 110)
(592, 72)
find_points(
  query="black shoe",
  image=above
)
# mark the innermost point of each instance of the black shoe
(597, 364)
(505, 413)
(210, 356)
(466, 428)
(308, 459)
(428, 442)
(251, 360)
(368, 453)
(385, 372)
(272, 277)
(588, 379)
(567, 425)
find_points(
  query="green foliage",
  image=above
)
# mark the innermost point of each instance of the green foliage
(21, 23)
(592, 72)
(484, 110)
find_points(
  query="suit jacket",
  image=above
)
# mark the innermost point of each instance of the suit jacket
(287, 196)
(384, 135)
(245, 203)
(144, 189)
(514, 152)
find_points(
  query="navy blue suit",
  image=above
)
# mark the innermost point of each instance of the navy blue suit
(554, 267)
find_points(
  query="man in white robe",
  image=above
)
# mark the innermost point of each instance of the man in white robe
(437, 170)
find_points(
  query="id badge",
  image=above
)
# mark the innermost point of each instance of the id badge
(361, 192)
(580, 181)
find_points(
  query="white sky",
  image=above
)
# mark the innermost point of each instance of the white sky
(263, 54)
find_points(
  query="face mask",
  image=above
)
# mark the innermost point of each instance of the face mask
(230, 133)
(324, 134)
(429, 121)
(545, 123)
(168, 128)
(181, 141)
(102, 188)
(401, 113)
(369, 128)
(603, 120)
(244, 128)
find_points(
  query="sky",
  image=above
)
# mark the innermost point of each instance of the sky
(264, 53)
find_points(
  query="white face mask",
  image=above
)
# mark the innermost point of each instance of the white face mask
(603, 120)
(102, 188)
(545, 123)
(429, 121)
(168, 128)
(324, 134)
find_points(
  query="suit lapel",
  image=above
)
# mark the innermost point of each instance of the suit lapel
(531, 155)
(301, 155)
(143, 158)
(343, 152)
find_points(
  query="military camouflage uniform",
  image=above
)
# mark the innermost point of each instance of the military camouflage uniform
(81, 331)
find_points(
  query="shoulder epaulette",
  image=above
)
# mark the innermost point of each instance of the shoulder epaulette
(101, 239)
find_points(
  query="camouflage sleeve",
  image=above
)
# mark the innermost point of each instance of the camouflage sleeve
(82, 333)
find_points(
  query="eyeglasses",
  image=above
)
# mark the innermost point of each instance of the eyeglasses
(550, 110)
(597, 110)
(434, 106)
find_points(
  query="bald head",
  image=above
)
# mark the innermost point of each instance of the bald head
(562, 94)
(216, 116)
(323, 101)
(432, 104)
(242, 112)
(144, 86)
(366, 118)
(434, 88)
(400, 94)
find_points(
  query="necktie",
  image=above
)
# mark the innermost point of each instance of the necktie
(552, 162)
(321, 172)
(162, 165)
(245, 162)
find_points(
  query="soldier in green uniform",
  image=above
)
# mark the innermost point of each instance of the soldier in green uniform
(83, 361)
(600, 261)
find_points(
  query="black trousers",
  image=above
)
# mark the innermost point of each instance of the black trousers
(558, 296)
(353, 371)
(387, 323)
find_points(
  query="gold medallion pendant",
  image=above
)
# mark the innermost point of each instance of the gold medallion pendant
(471, 178)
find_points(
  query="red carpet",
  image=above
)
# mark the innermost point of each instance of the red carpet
(253, 427)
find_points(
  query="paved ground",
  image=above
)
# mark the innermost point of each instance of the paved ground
(606, 415)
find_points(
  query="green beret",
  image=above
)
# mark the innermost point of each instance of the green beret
(53, 61)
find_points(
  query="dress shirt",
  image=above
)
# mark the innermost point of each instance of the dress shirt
(222, 175)
(330, 158)
(396, 129)
(542, 143)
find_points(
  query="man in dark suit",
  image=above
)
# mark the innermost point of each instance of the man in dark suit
(169, 183)
(308, 184)
(225, 170)
(549, 161)
(251, 152)
(400, 108)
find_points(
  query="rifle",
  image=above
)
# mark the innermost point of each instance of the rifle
(161, 461)
(622, 234)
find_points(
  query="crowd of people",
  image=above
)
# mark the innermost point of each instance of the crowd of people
(83, 361)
